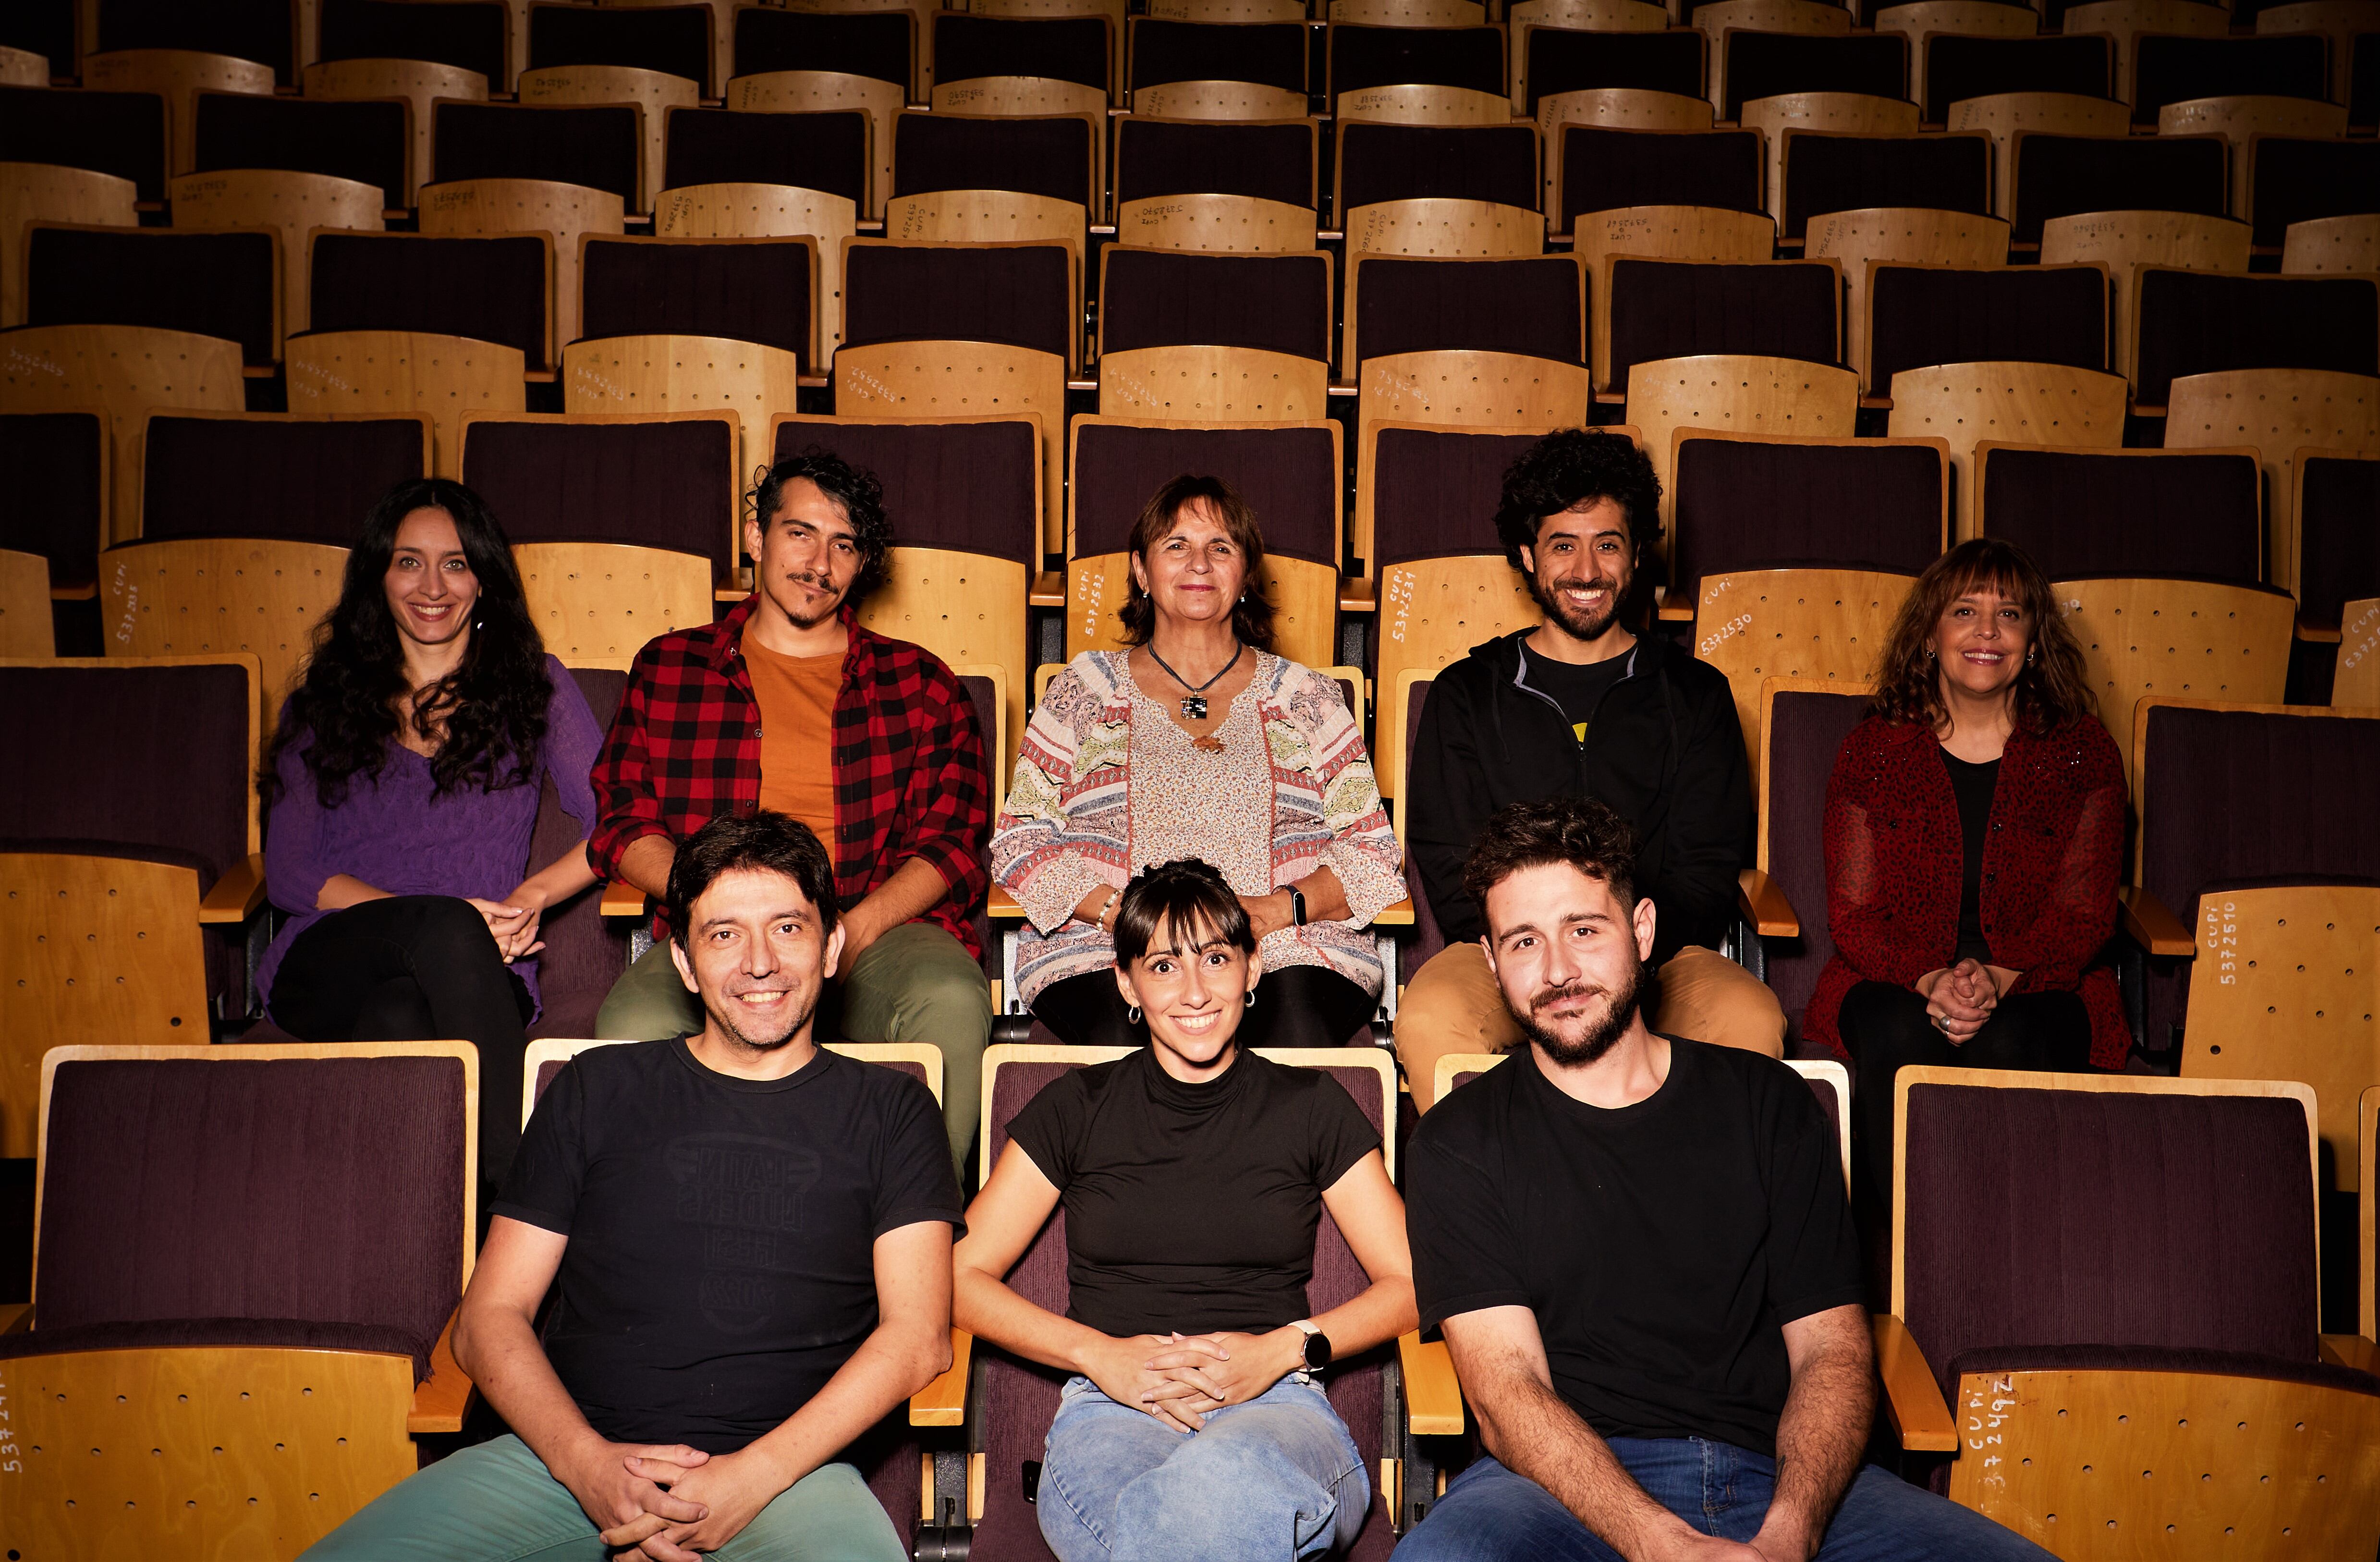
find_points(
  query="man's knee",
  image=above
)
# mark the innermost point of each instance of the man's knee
(827, 1516)
(917, 983)
(1706, 996)
(649, 1002)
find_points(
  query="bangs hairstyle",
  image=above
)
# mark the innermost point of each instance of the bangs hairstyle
(771, 842)
(856, 491)
(1580, 831)
(2052, 690)
(1187, 896)
(1569, 467)
(1252, 615)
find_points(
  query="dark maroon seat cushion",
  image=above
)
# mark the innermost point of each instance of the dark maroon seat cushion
(1921, 316)
(2087, 511)
(1851, 173)
(1287, 475)
(2339, 536)
(326, 1190)
(364, 142)
(305, 480)
(1060, 48)
(675, 38)
(1048, 156)
(584, 954)
(1280, 303)
(1496, 162)
(597, 145)
(118, 133)
(1748, 504)
(1604, 169)
(2364, 80)
(1421, 57)
(1764, 65)
(819, 152)
(57, 464)
(1959, 68)
(963, 486)
(2301, 181)
(2042, 1218)
(1528, 306)
(1565, 60)
(1017, 297)
(447, 284)
(2198, 322)
(754, 292)
(1435, 492)
(653, 485)
(1676, 308)
(2064, 176)
(1269, 162)
(2167, 69)
(1269, 53)
(871, 44)
(262, 30)
(215, 284)
(1806, 731)
(469, 34)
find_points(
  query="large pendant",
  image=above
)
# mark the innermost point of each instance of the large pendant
(1194, 708)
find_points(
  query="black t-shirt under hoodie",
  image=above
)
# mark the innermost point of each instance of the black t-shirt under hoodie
(1191, 1208)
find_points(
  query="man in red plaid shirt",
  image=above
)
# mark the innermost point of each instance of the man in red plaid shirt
(788, 704)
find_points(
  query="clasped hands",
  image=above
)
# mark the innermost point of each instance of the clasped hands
(666, 1503)
(1960, 998)
(513, 922)
(1182, 1378)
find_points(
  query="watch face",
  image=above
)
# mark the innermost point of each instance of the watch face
(1317, 1351)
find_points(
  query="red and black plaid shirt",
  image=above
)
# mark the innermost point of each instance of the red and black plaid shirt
(909, 773)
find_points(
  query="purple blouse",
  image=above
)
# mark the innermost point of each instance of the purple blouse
(396, 833)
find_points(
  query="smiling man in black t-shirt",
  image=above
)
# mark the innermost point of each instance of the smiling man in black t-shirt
(1641, 1254)
(747, 1239)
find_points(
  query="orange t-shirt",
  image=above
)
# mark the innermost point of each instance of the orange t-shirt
(796, 697)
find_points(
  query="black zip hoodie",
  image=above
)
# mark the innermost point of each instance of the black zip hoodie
(1663, 749)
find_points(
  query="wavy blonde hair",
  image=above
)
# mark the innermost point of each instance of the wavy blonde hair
(2052, 688)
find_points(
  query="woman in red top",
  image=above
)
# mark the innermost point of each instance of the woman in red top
(1973, 823)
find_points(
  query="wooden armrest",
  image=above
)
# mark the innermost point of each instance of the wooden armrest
(441, 1400)
(237, 894)
(2149, 924)
(1047, 589)
(1400, 915)
(728, 593)
(621, 899)
(2318, 634)
(1765, 905)
(1677, 613)
(1358, 595)
(943, 1401)
(16, 1317)
(2344, 1349)
(1002, 906)
(83, 591)
(1433, 1396)
(1913, 1401)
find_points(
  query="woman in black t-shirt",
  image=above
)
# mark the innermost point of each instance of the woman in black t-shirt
(1193, 1176)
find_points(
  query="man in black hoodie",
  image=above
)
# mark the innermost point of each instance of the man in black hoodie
(1580, 706)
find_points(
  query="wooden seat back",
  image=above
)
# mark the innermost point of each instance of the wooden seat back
(1965, 403)
(1829, 623)
(1735, 394)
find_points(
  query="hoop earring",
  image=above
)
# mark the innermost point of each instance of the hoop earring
(1251, 998)
(1132, 1013)
(2031, 652)
(1929, 653)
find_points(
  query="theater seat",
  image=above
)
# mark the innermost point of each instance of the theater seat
(46, 192)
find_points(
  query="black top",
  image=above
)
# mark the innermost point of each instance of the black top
(1972, 784)
(1577, 688)
(1191, 1207)
(1662, 1246)
(721, 1265)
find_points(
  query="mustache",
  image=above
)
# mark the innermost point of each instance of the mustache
(1546, 998)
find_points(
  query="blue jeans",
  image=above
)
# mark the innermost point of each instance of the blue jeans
(1489, 1514)
(1275, 1478)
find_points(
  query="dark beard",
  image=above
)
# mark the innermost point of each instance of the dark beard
(1578, 627)
(1599, 1037)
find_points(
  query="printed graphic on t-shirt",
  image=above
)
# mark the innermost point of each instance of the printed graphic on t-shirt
(744, 1191)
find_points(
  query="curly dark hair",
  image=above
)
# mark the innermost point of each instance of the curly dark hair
(1582, 831)
(1569, 466)
(491, 708)
(856, 491)
(1184, 893)
(1252, 615)
(2053, 688)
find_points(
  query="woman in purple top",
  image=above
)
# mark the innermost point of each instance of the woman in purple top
(403, 787)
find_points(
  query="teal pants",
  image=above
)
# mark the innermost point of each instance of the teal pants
(917, 982)
(496, 1503)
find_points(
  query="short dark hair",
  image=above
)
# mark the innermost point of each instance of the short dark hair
(1580, 831)
(856, 491)
(1252, 615)
(1568, 466)
(1185, 894)
(778, 842)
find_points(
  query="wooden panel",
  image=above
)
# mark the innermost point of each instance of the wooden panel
(25, 629)
(1837, 113)
(2286, 985)
(2122, 240)
(1471, 391)
(749, 211)
(22, 68)
(994, 217)
(1756, 624)
(1232, 102)
(1964, 403)
(1009, 97)
(2002, 114)
(1228, 10)
(202, 595)
(2368, 1273)
(1242, 224)
(904, 380)
(605, 600)
(222, 1454)
(2225, 1466)
(656, 92)
(634, 374)
(2239, 119)
(1417, 105)
(178, 76)
(830, 92)
(1409, 13)
(48, 192)
(1575, 16)
(2281, 412)
(1444, 226)
(2339, 20)
(2356, 683)
(967, 609)
(363, 373)
(2185, 639)
(91, 946)
(1199, 387)
(494, 206)
(1613, 108)
(292, 205)
(420, 83)
(1659, 233)
(1736, 394)
(1973, 19)
(1431, 612)
(2124, 21)
(2327, 245)
(1809, 19)
(1859, 239)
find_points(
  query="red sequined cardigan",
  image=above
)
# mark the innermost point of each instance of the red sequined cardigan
(1895, 857)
